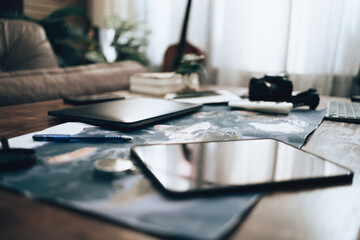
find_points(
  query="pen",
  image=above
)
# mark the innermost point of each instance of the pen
(81, 138)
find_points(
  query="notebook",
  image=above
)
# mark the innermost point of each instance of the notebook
(128, 114)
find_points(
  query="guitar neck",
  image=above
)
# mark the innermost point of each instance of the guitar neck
(185, 24)
(182, 42)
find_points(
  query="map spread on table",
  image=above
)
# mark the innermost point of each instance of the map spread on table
(64, 173)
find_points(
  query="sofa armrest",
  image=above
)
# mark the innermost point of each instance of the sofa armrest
(27, 86)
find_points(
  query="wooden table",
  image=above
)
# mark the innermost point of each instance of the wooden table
(326, 213)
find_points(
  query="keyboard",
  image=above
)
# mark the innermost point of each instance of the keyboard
(343, 111)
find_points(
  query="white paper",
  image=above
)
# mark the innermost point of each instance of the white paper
(26, 141)
(225, 96)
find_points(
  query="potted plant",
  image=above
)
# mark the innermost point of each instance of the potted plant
(130, 39)
(191, 66)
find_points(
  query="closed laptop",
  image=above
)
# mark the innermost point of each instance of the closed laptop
(128, 114)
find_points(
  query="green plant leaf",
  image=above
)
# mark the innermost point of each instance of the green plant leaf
(192, 63)
(127, 44)
(60, 14)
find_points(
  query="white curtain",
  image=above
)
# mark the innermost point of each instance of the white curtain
(316, 42)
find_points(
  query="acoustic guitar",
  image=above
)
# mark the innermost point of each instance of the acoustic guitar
(175, 52)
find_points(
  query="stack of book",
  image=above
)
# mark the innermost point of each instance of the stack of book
(156, 83)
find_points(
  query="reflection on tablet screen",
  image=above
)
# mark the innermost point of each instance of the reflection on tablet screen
(236, 164)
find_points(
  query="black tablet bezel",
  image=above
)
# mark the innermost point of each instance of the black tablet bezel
(237, 189)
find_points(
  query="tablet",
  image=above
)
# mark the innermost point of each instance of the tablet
(127, 114)
(189, 169)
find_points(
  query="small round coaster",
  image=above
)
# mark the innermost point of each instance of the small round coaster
(113, 167)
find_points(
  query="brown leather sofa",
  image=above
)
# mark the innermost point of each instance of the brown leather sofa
(30, 72)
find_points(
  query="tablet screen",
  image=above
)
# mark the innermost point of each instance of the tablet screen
(235, 165)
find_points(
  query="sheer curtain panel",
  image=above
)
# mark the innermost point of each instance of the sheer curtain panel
(316, 42)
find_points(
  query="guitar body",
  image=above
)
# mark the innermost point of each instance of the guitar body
(170, 57)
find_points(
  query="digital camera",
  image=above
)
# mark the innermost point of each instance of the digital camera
(270, 88)
(279, 89)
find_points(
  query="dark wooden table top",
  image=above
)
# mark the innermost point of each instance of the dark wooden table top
(323, 213)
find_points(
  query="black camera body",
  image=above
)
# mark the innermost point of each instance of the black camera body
(279, 89)
(270, 88)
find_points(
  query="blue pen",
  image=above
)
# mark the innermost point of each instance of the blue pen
(81, 138)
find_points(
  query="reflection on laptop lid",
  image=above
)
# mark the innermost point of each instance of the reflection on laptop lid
(128, 114)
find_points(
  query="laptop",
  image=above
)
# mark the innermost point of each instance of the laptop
(343, 111)
(128, 114)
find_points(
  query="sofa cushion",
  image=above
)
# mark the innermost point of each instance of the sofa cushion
(24, 45)
(18, 87)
